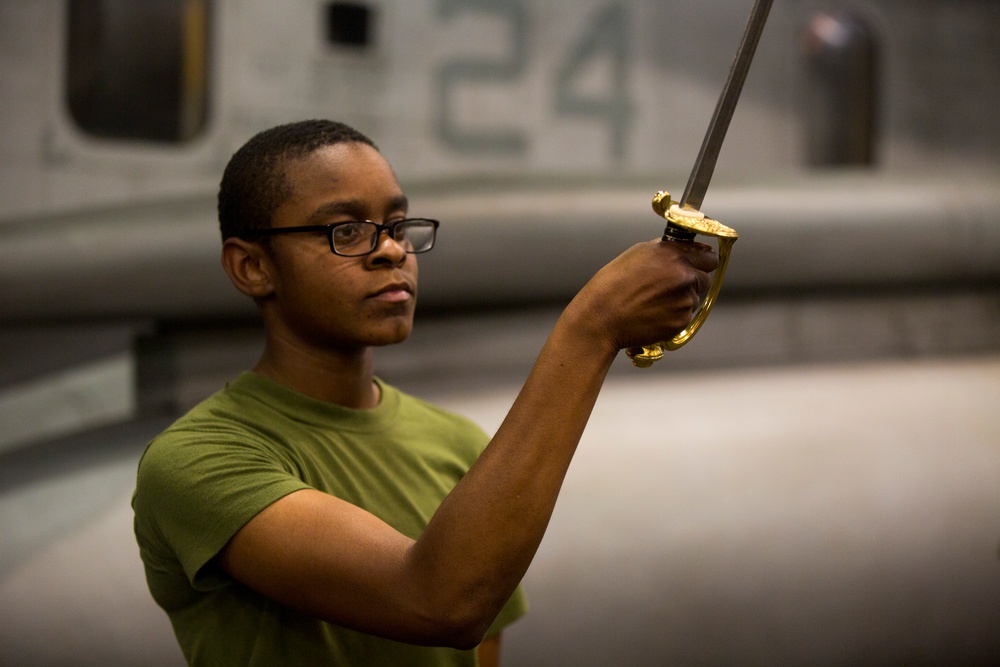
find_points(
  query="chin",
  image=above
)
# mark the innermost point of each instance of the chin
(391, 337)
(385, 342)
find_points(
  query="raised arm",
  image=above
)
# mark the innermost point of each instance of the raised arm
(318, 554)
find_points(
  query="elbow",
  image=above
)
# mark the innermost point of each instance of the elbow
(456, 609)
(463, 631)
(448, 633)
(470, 634)
(462, 624)
(464, 640)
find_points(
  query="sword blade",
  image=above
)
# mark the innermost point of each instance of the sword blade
(704, 166)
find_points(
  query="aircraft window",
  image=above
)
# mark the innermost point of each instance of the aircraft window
(348, 24)
(138, 70)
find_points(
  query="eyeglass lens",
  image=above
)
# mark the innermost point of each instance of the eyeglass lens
(360, 238)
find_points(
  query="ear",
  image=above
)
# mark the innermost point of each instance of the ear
(249, 267)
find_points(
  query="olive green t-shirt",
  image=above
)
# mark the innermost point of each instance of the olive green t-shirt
(247, 446)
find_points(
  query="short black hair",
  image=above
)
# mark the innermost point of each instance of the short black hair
(254, 185)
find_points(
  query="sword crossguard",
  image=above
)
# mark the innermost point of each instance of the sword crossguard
(683, 225)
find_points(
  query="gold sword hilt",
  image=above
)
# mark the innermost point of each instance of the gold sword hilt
(683, 224)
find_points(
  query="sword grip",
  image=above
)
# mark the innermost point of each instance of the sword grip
(682, 227)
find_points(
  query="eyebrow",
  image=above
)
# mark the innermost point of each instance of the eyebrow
(355, 208)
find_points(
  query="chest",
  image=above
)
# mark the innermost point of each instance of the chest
(400, 476)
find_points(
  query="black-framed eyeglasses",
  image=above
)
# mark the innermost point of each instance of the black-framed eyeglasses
(360, 237)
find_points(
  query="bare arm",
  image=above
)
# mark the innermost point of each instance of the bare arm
(321, 555)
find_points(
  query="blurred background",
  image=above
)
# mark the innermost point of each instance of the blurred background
(814, 479)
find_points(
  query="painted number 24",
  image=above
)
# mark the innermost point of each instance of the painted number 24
(603, 37)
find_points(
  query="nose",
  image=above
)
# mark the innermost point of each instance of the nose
(387, 251)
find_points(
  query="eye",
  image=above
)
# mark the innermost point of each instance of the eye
(349, 234)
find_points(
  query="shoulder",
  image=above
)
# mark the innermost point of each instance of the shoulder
(214, 421)
(240, 412)
(222, 440)
(204, 477)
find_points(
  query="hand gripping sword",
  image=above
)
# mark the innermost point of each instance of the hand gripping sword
(684, 217)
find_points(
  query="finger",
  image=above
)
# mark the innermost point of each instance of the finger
(703, 257)
(703, 282)
(699, 255)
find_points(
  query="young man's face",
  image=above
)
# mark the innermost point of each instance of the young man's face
(335, 302)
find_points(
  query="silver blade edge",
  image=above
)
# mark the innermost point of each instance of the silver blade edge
(704, 166)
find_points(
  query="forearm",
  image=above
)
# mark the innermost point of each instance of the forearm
(485, 534)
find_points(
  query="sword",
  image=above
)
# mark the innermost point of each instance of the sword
(684, 217)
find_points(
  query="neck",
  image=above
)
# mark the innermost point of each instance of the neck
(341, 377)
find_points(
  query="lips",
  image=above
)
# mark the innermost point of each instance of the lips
(399, 291)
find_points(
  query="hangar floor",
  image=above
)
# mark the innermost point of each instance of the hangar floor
(823, 514)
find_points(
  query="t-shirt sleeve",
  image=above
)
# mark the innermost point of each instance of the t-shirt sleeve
(194, 491)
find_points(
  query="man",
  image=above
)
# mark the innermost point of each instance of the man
(311, 514)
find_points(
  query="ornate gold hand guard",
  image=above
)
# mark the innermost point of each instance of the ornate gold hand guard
(682, 226)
